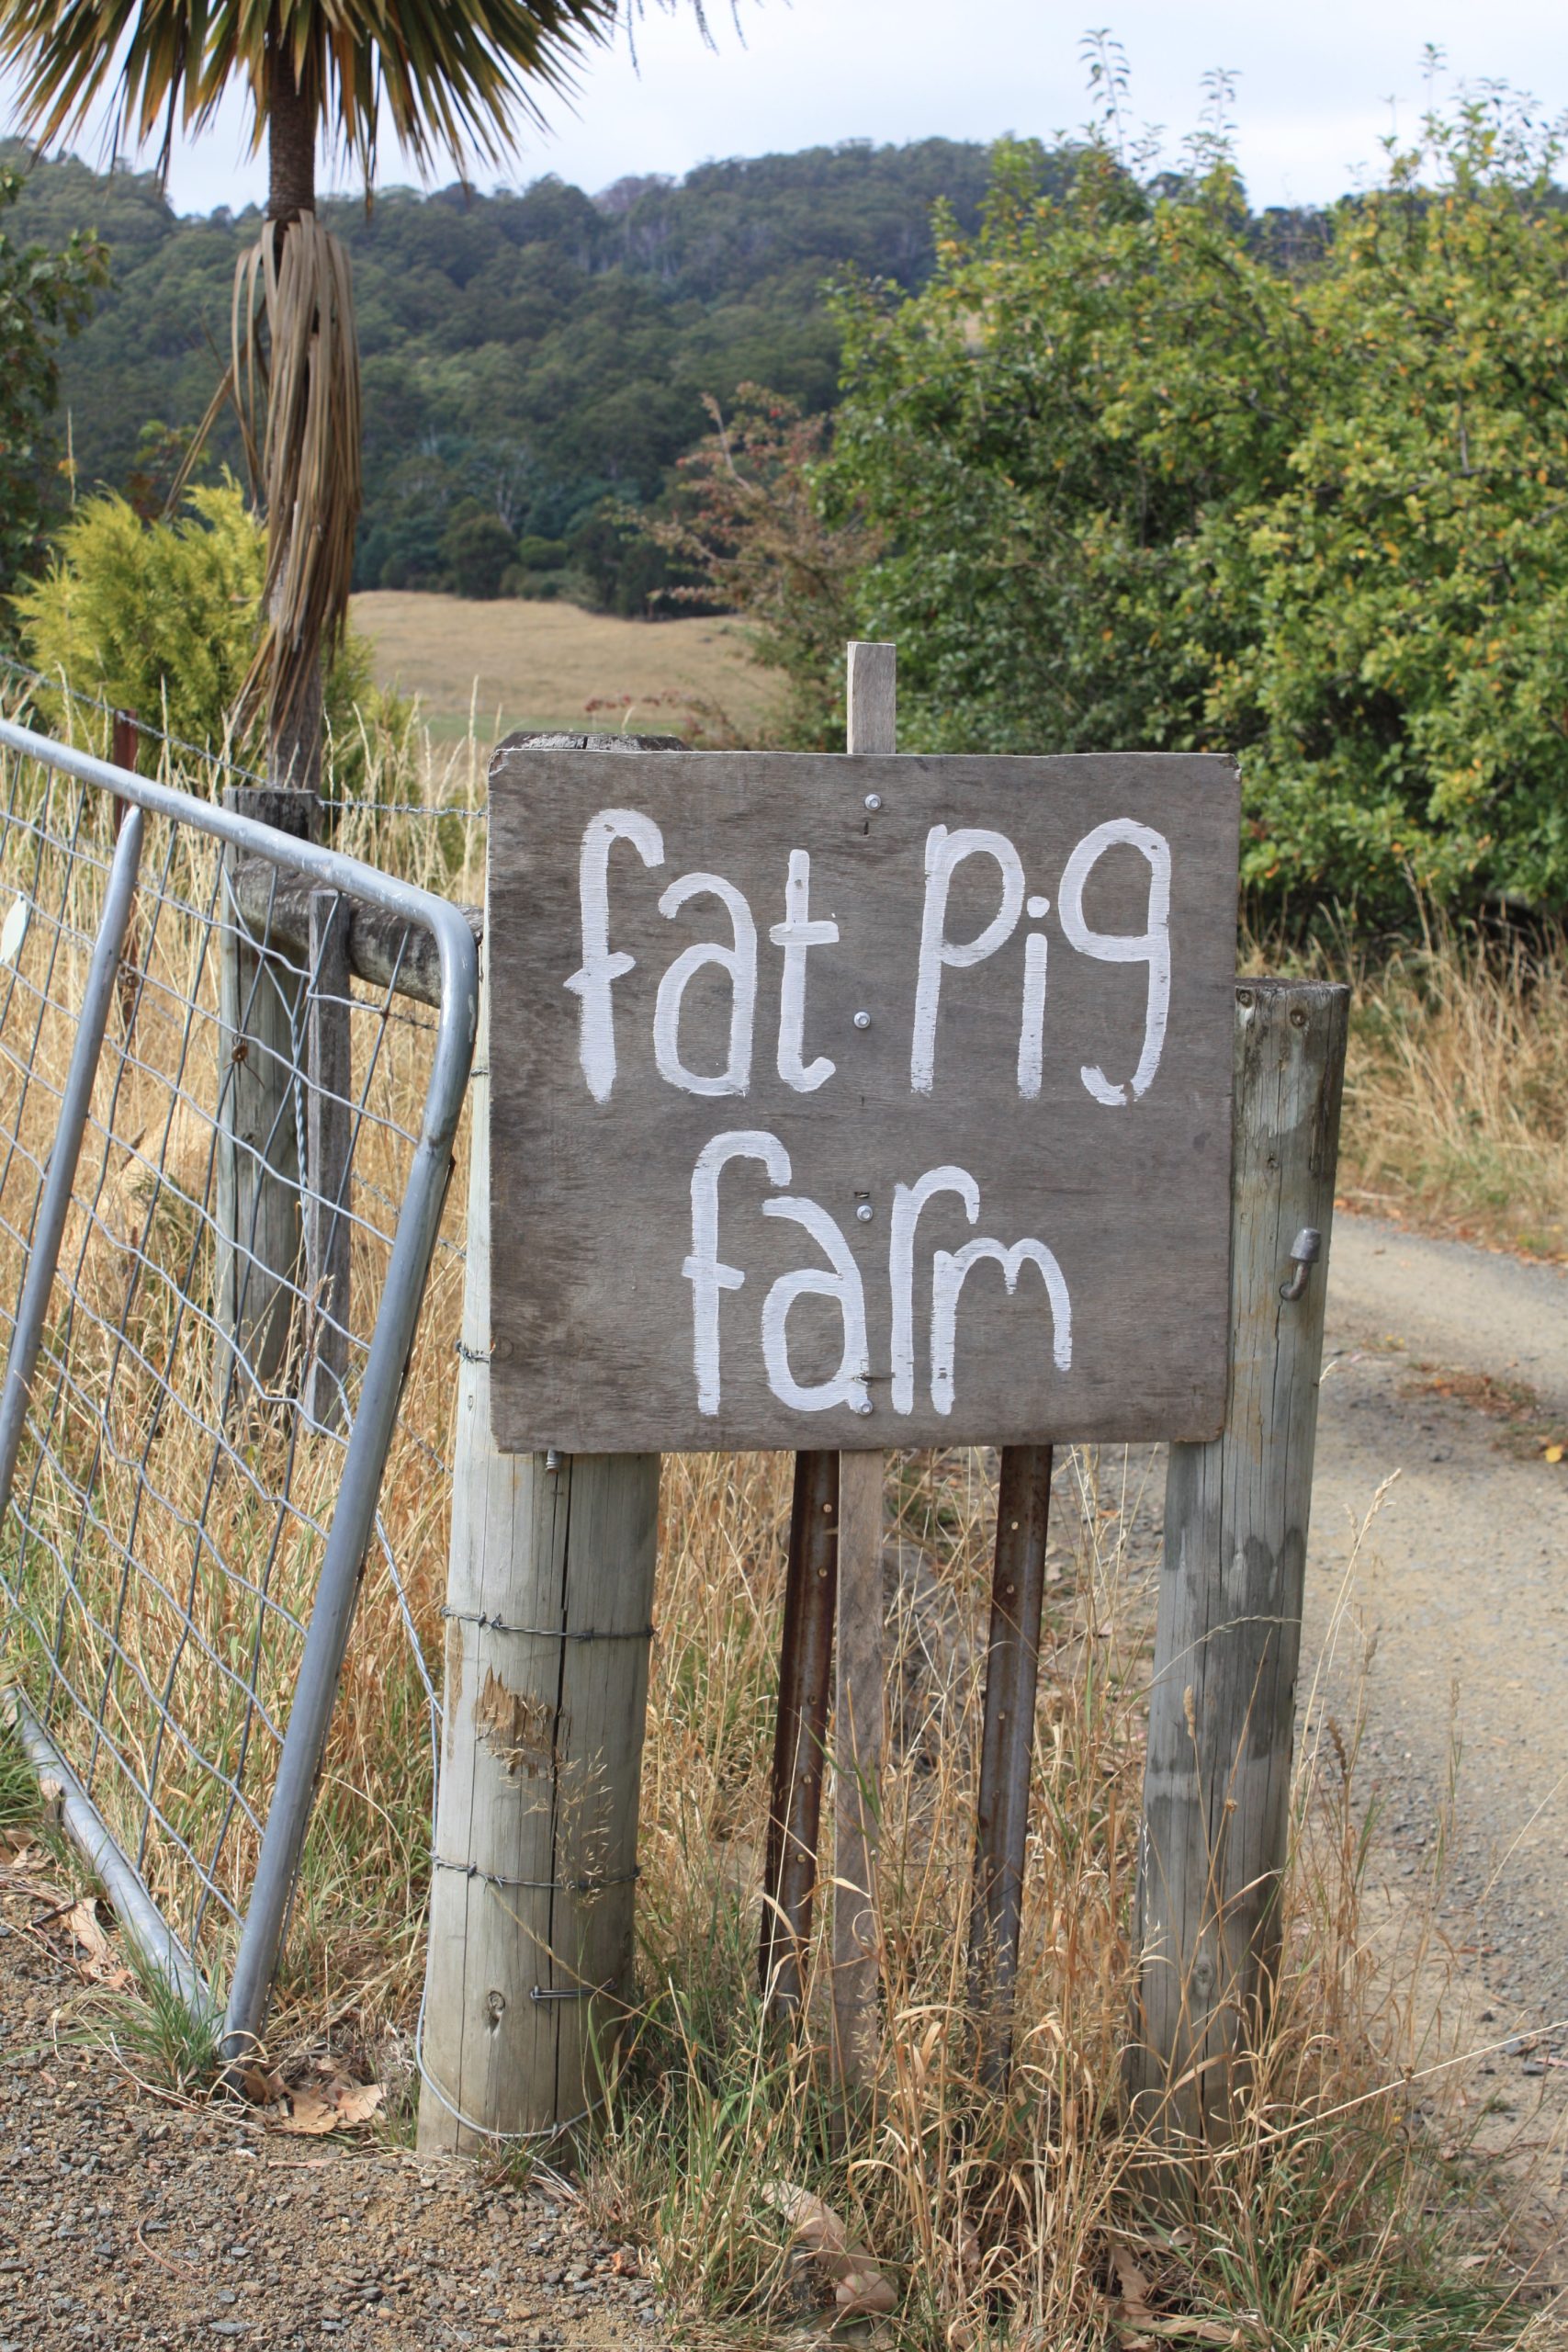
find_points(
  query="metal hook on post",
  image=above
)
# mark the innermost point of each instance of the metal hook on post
(1305, 1251)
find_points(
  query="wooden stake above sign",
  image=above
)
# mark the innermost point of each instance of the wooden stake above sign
(859, 1101)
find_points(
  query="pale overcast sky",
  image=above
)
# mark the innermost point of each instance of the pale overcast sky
(1318, 85)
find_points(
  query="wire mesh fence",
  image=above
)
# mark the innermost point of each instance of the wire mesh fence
(237, 1414)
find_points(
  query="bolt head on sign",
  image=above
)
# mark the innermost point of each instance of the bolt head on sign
(859, 1101)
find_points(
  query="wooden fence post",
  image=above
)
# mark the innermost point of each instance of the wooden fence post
(870, 725)
(848, 1487)
(549, 1599)
(1216, 1791)
(800, 1739)
(258, 1150)
(1007, 1749)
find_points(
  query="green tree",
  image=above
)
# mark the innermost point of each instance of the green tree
(448, 76)
(1399, 693)
(477, 549)
(1145, 478)
(502, 331)
(43, 296)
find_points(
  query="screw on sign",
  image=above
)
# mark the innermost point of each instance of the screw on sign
(920, 1111)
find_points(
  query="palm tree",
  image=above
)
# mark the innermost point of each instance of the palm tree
(449, 76)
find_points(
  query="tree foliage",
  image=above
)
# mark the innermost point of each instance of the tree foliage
(1150, 478)
(44, 295)
(747, 520)
(534, 350)
(450, 79)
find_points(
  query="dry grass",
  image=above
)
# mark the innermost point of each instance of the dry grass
(523, 664)
(1040, 2219)
(164, 1563)
(1456, 1113)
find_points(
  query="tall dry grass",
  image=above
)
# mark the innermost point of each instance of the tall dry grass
(170, 1568)
(1337, 2214)
(1456, 1105)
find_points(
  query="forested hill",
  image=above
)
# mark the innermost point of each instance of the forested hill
(526, 354)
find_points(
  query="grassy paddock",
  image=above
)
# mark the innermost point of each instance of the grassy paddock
(516, 663)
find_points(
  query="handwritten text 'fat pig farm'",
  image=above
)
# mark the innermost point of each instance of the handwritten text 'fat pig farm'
(801, 933)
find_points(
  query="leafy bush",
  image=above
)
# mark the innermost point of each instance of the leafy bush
(159, 619)
(477, 549)
(747, 525)
(1143, 479)
(162, 621)
(534, 554)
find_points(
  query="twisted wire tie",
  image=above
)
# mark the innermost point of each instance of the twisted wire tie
(538, 1885)
(543, 1632)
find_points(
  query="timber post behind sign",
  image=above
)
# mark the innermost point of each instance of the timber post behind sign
(859, 1101)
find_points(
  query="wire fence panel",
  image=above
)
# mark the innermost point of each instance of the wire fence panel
(236, 1414)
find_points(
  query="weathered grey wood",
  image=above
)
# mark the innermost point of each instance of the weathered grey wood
(857, 1764)
(550, 1593)
(1007, 1750)
(1223, 1708)
(548, 1598)
(870, 700)
(329, 1143)
(383, 950)
(1129, 1195)
(871, 705)
(258, 1239)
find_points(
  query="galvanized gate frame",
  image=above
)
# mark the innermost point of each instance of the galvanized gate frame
(332, 1613)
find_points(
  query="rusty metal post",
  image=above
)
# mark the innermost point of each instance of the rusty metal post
(805, 1669)
(1012, 1674)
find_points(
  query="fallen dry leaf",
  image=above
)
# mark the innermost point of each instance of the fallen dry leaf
(1130, 2286)
(333, 2106)
(97, 1963)
(1186, 2331)
(860, 2291)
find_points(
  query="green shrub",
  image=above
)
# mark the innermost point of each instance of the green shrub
(477, 549)
(534, 554)
(158, 620)
(161, 619)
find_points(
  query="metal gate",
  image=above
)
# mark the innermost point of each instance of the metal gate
(226, 1137)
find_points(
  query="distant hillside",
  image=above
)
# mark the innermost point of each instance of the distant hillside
(526, 354)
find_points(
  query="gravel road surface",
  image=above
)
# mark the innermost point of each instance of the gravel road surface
(1447, 1371)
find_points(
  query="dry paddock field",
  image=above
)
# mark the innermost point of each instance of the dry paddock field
(521, 663)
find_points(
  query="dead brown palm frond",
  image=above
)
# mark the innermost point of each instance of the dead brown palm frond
(298, 402)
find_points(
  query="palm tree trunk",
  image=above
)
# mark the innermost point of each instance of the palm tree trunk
(294, 750)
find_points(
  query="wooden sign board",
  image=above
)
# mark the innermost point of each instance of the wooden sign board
(859, 1101)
